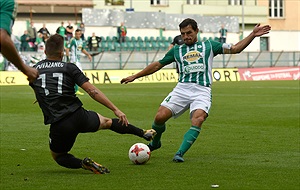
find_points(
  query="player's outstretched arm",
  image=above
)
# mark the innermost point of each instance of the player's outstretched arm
(241, 45)
(10, 53)
(87, 54)
(152, 68)
(100, 97)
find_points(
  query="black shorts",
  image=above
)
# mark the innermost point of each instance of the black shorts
(63, 133)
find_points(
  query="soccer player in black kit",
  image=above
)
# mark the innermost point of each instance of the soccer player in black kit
(54, 90)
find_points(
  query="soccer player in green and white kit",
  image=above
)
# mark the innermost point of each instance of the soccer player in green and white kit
(76, 47)
(8, 12)
(193, 91)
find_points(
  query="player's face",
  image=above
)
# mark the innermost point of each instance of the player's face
(77, 35)
(189, 35)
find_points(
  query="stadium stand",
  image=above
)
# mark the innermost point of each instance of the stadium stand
(137, 43)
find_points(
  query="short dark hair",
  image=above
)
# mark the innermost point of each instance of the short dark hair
(77, 30)
(188, 21)
(55, 45)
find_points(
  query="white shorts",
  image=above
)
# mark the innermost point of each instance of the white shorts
(188, 96)
(78, 64)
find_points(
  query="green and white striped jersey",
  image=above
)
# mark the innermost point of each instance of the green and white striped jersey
(76, 47)
(194, 62)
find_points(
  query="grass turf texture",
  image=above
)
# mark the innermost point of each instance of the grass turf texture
(249, 141)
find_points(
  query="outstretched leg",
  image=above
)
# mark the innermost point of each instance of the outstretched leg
(118, 127)
(162, 115)
(191, 135)
(69, 161)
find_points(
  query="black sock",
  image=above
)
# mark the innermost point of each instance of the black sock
(122, 129)
(69, 161)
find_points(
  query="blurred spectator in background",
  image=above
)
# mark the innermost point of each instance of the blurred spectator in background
(45, 33)
(223, 34)
(39, 43)
(70, 30)
(82, 28)
(24, 41)
(122, 32)
(32, 32)
(61, 30)
(93, 42)
(16, 41)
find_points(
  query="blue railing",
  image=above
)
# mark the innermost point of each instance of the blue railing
(132, 59)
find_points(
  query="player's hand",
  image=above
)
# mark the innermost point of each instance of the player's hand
(32, 74)
(122, 117)
(261, 30)
(90, 57)
(128, 79)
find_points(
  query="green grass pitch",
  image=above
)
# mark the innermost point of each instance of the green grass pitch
(249, 141)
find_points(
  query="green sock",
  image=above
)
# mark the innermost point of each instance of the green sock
(159, 130)
(188, 139)
(76, 87)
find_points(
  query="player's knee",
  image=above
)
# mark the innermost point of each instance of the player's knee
(62, 159)
(54, 155)
(162, 116)
(59, 160)
(105, 122)
(198, 119)
(68, 161)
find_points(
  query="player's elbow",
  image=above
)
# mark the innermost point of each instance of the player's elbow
(157, 66)
(235, 50)
(3, 35)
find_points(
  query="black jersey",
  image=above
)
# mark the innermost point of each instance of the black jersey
(54, 89)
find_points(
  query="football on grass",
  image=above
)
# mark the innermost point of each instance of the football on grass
(139, 153)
